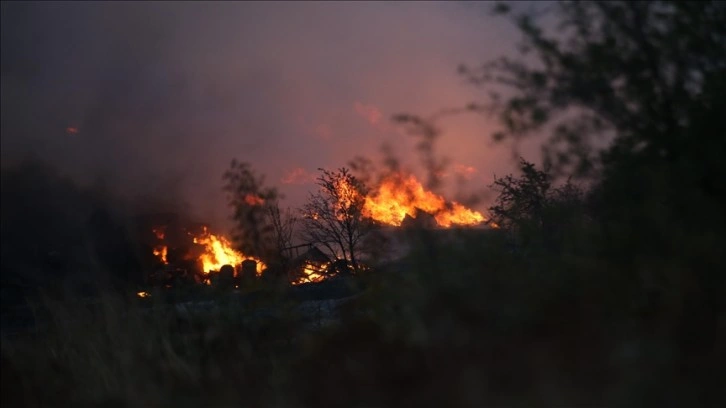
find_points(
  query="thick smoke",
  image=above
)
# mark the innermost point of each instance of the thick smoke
(155, 99)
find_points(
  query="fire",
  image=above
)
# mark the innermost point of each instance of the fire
(143, 294)
(398, 196)
(312, 273)
(219, 252)
(160, 252)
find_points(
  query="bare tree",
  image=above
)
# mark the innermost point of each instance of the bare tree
(283, 227)
(332, 217)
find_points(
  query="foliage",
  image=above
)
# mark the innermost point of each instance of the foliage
(626, 310)
(255, 212)
(650, 76)
(533, 209)
(642, 73)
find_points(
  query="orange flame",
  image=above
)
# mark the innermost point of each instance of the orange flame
(219, 252)
(160, 252)
(348, 196)
(397, 196)
(311, 273)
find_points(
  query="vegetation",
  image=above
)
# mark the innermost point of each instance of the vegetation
(258, 227)
(604, 293)
(333, 216)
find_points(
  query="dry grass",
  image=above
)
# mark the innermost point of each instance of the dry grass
(488, 329)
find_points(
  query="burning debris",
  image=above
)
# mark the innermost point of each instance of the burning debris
(188, 254)
(219, 252)
(313, 266)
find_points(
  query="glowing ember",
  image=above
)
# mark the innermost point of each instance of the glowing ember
(398, 196)
(219, 252)
(159, 232)
(311, 273)
(143, 294)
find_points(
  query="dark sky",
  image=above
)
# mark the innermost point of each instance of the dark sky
(164, 95)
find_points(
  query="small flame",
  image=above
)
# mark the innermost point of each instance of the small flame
(143, 294)
(160, 252)
(312, 273)
(397, 196)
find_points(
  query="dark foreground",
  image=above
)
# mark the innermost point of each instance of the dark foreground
(363, 342)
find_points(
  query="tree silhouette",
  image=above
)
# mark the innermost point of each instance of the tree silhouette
(251, 201)
(333, 217)
(531, 206)
(643, 73)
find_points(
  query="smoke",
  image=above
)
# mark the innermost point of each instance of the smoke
(162, 96)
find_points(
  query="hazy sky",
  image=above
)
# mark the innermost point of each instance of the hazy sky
(164, 95)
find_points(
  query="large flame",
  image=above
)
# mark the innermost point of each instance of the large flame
(216, 251)
(219, 252)
(398, 196)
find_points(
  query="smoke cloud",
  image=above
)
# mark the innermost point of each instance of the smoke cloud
(156, 99)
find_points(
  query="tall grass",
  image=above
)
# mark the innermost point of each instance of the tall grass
(462, 322)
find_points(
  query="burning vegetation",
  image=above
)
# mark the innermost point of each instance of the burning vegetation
(194, 254)
(218, 252)
(191, 253)
(399, 195)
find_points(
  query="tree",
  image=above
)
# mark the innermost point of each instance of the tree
(251, 202)
(283, 229)
(333, 216)
(531, 207)
(650, 77)
(643, 73)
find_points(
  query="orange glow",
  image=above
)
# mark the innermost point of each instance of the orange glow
(347, 196)
(253, 200)
(218, 252)
(160, 252)
(159, 232)
(143, 294)
(398, 195)
(311, 273)
(298, 175)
